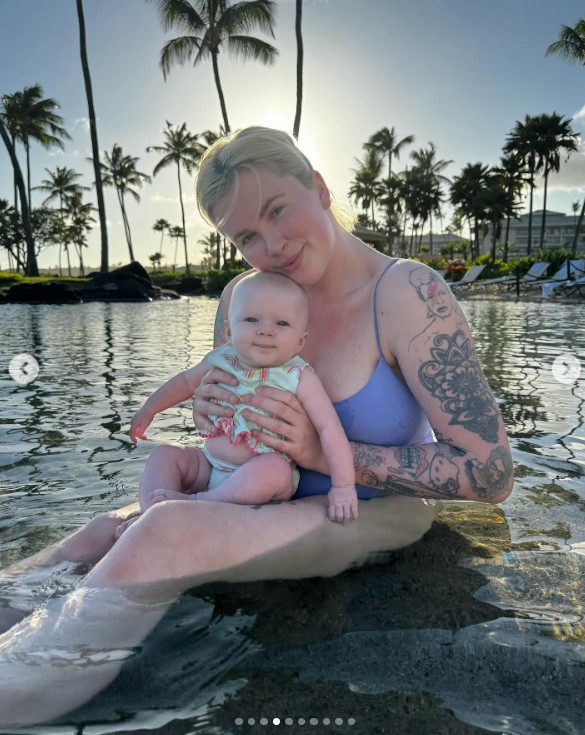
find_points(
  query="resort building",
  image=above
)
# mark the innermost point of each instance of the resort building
(559, 231)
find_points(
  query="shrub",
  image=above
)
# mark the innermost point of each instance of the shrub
(217, 280)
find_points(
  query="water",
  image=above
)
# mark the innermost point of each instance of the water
(477, 628)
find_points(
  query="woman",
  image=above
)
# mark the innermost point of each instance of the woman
(394, 352)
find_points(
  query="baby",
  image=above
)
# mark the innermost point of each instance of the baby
(266, 327)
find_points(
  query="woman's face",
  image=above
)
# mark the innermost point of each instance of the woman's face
(279, 225)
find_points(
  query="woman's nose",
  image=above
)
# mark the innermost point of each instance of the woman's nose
(275, 243)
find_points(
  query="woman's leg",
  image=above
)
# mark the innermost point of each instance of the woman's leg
(172, 547)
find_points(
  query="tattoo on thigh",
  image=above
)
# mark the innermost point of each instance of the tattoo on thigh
(454, 377)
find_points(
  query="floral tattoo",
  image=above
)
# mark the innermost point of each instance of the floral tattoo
(454, 376)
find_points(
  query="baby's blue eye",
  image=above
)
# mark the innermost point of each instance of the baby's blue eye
(282, 323)
(250, 319)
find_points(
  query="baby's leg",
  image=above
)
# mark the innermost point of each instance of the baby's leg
(180, 471)
(262, 479)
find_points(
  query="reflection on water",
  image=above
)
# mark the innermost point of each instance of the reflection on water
(484, 607)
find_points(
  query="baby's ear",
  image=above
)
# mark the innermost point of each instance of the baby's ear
(302, 341)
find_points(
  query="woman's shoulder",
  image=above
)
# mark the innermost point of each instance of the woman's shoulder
(404, 277)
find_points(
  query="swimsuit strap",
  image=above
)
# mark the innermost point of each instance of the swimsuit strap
(375, 311)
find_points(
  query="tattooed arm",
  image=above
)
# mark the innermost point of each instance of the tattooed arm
(430, 345)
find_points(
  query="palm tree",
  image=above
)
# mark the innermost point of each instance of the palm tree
(300, 54)
(385, 143)
(177, 232)
(80, 219)
(366, 189)
(155, 259)
(162, 226)
(570, 45)
(61, 185)
(31, 268)
(180, 148)
(432, 169)
(120, 172)
(31, 117)
(522, 143)
(468, 196)
(512, 178)
(210, 25)
(95, 149)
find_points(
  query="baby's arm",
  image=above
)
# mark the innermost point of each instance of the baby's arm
(174, 391)
(343, 504)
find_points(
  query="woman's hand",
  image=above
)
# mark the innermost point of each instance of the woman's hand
(289, 420)
(207, 395)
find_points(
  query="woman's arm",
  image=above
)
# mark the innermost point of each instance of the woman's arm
(425, 335)
(433, 347)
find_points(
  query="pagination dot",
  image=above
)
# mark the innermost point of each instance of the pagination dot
(339, 720)
(276, 721)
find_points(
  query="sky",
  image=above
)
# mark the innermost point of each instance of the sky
(458, 73)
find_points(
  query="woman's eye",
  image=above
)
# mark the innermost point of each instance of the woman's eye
(247, 239)
(277, 210)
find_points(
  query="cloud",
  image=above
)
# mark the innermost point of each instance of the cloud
(158, 197)
(571, 176)
(81, 122)
(579, 116)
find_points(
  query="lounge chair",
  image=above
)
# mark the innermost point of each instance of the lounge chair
(575, 269)
(534, 273)
(570, 289)
(469, 276)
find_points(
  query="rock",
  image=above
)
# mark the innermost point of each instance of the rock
(129, 283)
(43, 293)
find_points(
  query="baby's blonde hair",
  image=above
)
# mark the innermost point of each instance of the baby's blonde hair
(252, 149)
(283, 283)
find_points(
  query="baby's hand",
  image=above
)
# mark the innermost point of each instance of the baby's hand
(343, 503)
(140, 423)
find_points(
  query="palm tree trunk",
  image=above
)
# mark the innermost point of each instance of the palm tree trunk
(578, 229)
(543, 223)
(31, 269)
(508, 218)
(531, 184)
(28, 187)
(94, 139)
(299, 37)
(220, 92)
(126, 224)
(218, 251)
(187, 272)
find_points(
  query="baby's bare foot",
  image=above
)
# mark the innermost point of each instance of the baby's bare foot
(125, 526)
(160, 495)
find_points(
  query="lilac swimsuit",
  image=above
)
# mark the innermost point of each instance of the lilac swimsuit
(384, 412)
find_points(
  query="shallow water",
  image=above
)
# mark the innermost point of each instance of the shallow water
(478, 628)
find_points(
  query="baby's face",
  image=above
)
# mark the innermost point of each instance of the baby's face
(267, 325)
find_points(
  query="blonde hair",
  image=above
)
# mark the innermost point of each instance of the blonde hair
(253, 148)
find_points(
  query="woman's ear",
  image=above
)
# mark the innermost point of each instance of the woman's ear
(226, 329)
(322, 189)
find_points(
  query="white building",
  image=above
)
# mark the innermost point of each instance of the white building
(559, 231)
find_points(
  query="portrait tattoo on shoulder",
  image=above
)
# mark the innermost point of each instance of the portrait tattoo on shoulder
(435, 295)
(453, 376)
